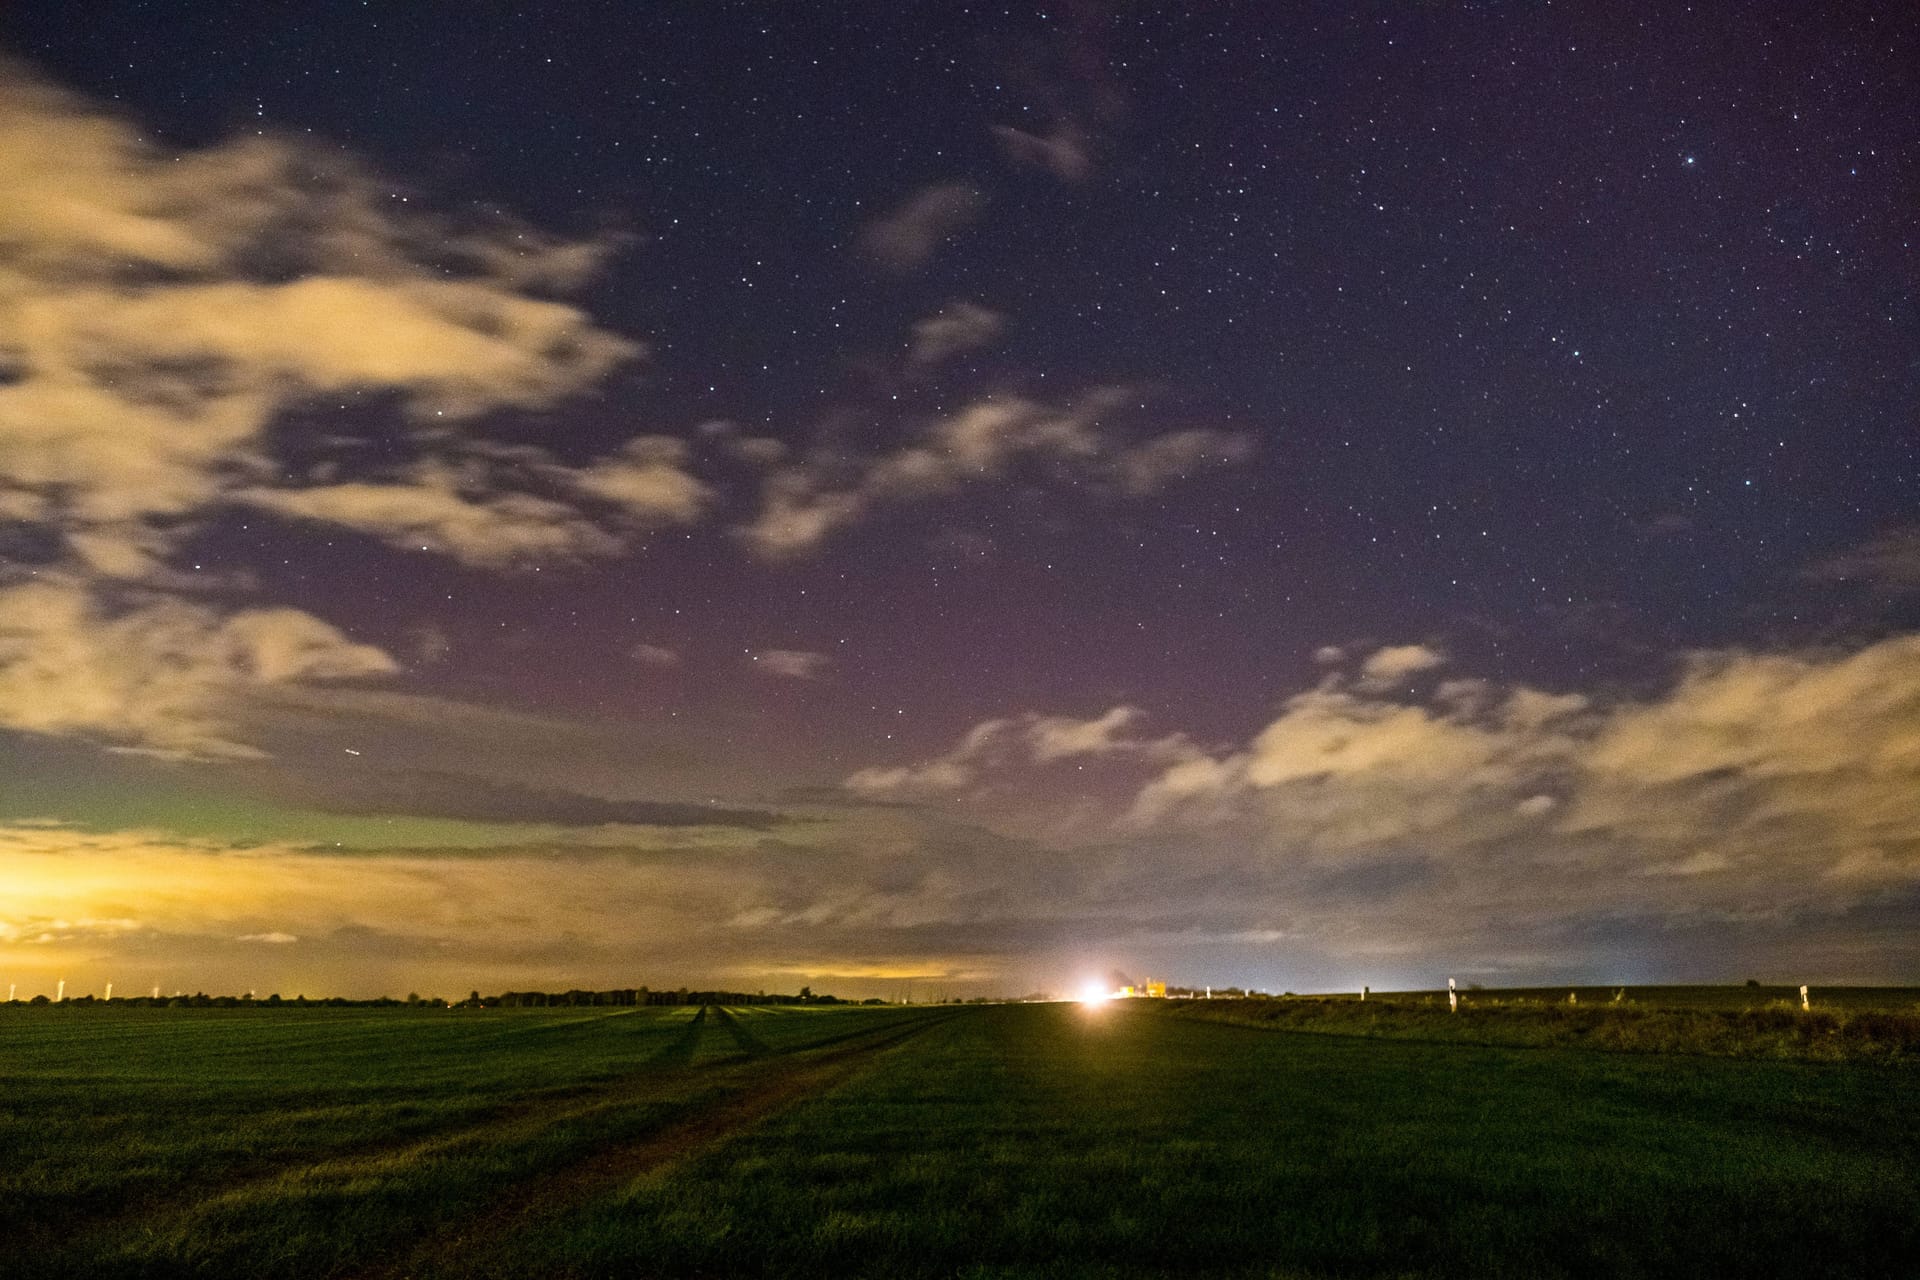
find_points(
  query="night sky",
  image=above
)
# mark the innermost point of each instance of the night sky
(954, 495)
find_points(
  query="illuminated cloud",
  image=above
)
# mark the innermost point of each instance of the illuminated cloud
(805, 502)
(158, 675)
(429, 512)
(1771, 798)
(646, 480)
(872, 894)
(1019, 743)
(913, 231)
(1388, 666)
(164, 308)
(1781, 769)
(482, 512)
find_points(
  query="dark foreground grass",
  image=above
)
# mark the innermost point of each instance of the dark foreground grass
(1653, 1021)
(1048, 1140)
(1005, 1140)
(302, 1142)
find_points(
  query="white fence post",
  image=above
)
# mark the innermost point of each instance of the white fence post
(1453, 998)
(1803, 997)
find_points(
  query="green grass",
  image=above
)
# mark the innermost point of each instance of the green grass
(1001, 1140)
(1877, 1024)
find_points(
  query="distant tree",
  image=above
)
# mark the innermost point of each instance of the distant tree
(1753, 982)
(806, 993)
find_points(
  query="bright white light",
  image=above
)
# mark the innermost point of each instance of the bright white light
(1094, 993)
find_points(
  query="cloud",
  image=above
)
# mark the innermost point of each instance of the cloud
(805, 502)
(429, 644)
(1065, 151)
(1775, 767)
(791, 664)
(399, 791)
(956, 328)
(1020, 743)
(877, 893)
(480, 510)
(1356, 836)
(157, 675)
(646, 479)
(1890, 562)
(279, 939)
(165, 308)
(654, 655)
(1066, 82)
(913, 231)
(429, 512)
(1396, 662)
(1762, 804)
(1151, 466)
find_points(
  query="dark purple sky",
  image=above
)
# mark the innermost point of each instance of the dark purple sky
(774, 493)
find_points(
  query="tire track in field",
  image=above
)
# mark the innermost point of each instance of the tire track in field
(680, 1052)
(185, 1192)
(508, 1120)
(777, 1085)
(750, 1044)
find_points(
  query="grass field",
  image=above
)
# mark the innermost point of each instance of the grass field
(1848, 1024)
(995, 1140)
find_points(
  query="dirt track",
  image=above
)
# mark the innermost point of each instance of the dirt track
(768, 1084)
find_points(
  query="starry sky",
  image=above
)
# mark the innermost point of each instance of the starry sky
(958, 495)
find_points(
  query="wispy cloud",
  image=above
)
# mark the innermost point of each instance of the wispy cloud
(790, 664)
(805, 502)
(1021, 743)
(1065, 151)
(909, 234)
(955, 329)
(655, 655)
(1890, 561)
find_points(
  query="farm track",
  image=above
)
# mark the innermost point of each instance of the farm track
(749, 1043)
(507, 1121)
(776, 1084)
(486, 1123)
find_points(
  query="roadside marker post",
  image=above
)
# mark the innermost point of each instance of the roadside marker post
(1453, 998)
(1804, 1005)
